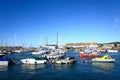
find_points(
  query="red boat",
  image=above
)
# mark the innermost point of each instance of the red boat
(89, 55)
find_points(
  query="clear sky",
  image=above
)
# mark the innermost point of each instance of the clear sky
(34, 21)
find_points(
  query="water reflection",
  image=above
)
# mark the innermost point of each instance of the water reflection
(105, 66)
(64, 66)
(3, 67)
(32, 66)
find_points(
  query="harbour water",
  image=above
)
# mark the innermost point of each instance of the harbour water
(78, 71)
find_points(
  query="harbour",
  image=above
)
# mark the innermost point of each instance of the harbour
(59, 39)
(78, 71)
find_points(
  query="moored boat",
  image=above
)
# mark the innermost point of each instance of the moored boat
(2, 55)
(105, 58)
(112, 51)
(89, 55)
(57, 53)
(3, 60)
(34, 60)
(67, 60)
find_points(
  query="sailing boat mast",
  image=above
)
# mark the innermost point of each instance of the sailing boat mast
(3, 44)
(14, 40)
(46, 41)
(57, 40)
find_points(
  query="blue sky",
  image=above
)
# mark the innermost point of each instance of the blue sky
(32, 21)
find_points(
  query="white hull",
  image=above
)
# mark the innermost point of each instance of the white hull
(32, 61)
(4, 63)
(18, 51)
(55, 56)
(41, 61)
(66, 61)
(112, 51)
(107, 60)
(39, 52)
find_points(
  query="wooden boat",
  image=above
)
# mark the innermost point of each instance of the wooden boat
(105, 58)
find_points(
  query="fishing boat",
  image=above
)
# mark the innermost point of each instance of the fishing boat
(67, 60)
(105, 58)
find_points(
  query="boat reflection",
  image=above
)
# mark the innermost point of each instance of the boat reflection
(3, 67)
(64, 67)
(32, 66)
(85, 59)
(105, 66)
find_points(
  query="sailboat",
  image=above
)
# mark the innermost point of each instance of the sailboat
(4, 46)
(56, 53)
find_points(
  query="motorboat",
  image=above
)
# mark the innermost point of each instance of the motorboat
(105, 58)
(2, 55)
(89, 55)
(34, 60)
(67, 60)
(3, 60)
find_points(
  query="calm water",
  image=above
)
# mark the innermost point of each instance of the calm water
(78, 71)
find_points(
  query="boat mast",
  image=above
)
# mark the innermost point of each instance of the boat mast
(46, 41)
(4, 43)
(15, 41)
(57, 40)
